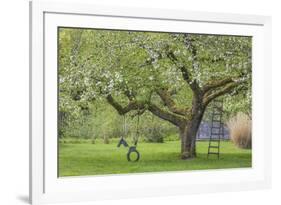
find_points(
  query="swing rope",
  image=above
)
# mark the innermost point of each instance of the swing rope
(122, 141)
(137, 132)
(132, 149)
(124, 125)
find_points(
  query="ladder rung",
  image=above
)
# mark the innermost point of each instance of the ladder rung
(216, 127)
(212, 133)
(214, 146)
(213, 153)
(214, 140)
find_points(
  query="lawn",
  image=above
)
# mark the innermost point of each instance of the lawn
(80, 159)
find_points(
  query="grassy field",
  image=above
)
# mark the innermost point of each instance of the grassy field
(80, 159)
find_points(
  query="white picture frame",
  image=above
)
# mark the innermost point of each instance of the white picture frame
(46, 187)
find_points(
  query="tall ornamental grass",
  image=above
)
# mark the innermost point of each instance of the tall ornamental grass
(240, 128)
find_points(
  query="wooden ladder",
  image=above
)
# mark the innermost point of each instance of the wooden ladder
(217, 129)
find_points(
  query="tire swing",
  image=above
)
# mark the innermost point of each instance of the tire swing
(133, 155)
(133, 149)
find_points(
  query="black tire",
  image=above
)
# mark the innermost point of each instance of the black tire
(133, 150)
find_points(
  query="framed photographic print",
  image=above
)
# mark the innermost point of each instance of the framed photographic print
(129, 102)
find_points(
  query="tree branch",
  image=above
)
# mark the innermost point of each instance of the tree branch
(216, 84)
(165, 115)
(169, 102)
(184, 71)
(209, 96)
(154, 109)
(130, 94)
(132, 105)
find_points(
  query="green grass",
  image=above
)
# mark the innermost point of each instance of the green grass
(80, 159)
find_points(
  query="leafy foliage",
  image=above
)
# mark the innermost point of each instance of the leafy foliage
(133, 66)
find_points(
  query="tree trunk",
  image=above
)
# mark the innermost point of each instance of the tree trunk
(188, 134)
(187, 143)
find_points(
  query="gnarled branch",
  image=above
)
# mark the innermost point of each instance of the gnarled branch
(154, 109)
(166, 97)
(122, 110)
(209, 96)
(166, 115)
(216, 84)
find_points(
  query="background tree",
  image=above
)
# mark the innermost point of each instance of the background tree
(173, 76)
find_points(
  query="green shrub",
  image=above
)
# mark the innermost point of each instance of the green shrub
(154, 135)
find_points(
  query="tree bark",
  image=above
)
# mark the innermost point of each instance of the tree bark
(188, 139)
(188, 132)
